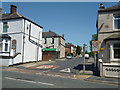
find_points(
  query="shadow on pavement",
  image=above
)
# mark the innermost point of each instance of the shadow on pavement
(88, 67)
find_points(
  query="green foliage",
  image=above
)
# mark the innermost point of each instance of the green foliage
(86, 52)
(78, 50)
(94, 37)
(91, 54)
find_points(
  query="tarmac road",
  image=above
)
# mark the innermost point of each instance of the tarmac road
(24, 80)
(65, 64)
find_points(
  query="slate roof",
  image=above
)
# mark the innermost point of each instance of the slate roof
(16, 15)
(11, 16)
(68, 45)
(115, 7)
(50, 34)
(5, 36)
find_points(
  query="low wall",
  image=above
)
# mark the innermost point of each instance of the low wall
(4, 62)
(110, 70)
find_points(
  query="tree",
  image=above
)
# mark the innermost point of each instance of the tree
(94, 37)
(78, 50)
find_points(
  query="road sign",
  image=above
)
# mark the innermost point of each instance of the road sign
(95, 46)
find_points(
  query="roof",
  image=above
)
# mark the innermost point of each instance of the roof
(16, 15)
(11, 16)
(5, 36)
(68, 45)
(50, 34)
(113, 8)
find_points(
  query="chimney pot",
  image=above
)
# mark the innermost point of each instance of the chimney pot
(13, 9)
(101, 6)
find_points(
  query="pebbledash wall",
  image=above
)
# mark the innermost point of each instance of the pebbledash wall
(26, 51)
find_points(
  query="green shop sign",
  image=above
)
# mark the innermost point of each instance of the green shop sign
(49, 49)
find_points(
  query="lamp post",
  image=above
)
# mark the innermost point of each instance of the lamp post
(84, 49)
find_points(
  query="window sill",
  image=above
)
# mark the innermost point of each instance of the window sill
(115, 60)
(4, 52)
(116, 29)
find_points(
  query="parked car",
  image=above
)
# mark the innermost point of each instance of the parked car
(69, 57)
(86, 56)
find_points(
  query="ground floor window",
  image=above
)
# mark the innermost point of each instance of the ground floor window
(117, 50)
(1, 46)
(4, 45)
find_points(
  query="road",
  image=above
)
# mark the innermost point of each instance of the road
(65, 64)
(24, 80)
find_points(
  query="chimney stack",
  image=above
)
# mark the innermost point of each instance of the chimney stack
(102, 6)
(0, 13)
(13, 9)
(63, 35)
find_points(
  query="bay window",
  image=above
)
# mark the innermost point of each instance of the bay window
(117, 50)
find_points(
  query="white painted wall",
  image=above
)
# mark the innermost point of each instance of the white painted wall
(31, 49)
(16, 31)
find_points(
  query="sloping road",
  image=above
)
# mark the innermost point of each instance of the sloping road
(65, 64)
(24, 80)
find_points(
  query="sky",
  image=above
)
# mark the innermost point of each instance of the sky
(76, 20)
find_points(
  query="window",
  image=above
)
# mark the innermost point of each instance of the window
(45, 41)
(4, 45)
(1, 46)
(117, 50)
(5, 27)
(52, 40)
(117, 22)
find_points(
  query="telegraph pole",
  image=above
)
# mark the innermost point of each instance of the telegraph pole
(84, 49)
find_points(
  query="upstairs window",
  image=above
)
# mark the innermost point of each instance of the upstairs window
(52, 40)
(5, 27)
(117, 22)
(45, 40)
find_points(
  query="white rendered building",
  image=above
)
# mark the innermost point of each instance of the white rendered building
(21, 39)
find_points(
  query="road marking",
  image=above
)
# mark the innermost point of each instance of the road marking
(10, 78)
(46, 83)
(29, 81)
(55, 68)
(46, 71)
(65, 70)
(45, 67)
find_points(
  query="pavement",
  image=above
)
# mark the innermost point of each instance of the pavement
(23, 68)
(104, 80)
